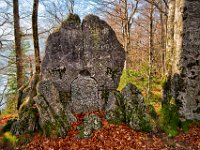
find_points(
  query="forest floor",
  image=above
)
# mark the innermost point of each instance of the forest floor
(109, 137)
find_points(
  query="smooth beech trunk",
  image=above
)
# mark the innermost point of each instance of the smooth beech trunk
(36, 36)
(20, 73)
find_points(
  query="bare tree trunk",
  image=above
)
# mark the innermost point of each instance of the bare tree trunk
(30, 67)
(151, 51)
(163, 38)
(18, 49)
(170, 37)
(126, 25)
(35, 36)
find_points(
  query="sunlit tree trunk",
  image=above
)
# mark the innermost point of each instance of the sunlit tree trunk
(163, 38)
(20, 73)
(170, 37)
(151, 51)
(35, 36)
(126, 28)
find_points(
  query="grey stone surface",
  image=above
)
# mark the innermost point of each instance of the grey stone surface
(134, 99)
(90, 45)
(185, 61)
(115, 107)
(53, 116)
(51, 123)
(137, 116)
(90, 123)
(113, 100)
(80, 59)
(84, 95)
(129, 107)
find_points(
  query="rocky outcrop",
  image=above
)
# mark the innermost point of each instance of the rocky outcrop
(81, 60)
(115, 108)
(184, 56)
(90, 123)
(53, 117)
(129, 107)
(91, 45)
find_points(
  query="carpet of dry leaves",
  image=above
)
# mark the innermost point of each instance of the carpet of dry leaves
(116, 137)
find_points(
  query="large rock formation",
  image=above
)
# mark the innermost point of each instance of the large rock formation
(81, 60)
(183, 48)
(91, 45)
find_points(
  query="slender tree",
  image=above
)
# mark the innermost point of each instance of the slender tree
(123, 11)
(170, 37)
(151, 51)
(20, 73)
(163, 38)
(35, 36)
(126, 27)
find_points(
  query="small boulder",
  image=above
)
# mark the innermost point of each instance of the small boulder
(137, 116)
(90, 123)
(114, 109)
(129, 107)
(84, 94)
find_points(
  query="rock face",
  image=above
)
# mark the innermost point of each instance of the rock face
(90, 123)
(183, 45)
(54, 118)
(81, 60)
(91, 45)
(136, 113)
(129, 107)
(84, 94)
(115, 108)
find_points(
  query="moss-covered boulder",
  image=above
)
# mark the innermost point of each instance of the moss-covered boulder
(28, 119)
(115, 108)
(129, 107)
(43, 108)
(53, 118)
(90, 123)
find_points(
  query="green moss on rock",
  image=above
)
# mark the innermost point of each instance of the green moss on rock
(90, 123)
(129, 107)
(28, 120)
(169, 119)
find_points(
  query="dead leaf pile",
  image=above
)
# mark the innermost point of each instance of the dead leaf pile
(110, 137)
(118, 137)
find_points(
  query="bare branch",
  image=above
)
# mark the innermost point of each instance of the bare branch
(166, 4)
(134, 11)
(156, 5)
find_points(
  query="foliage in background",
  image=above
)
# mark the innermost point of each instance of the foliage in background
(140, 79)
(11, 92)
